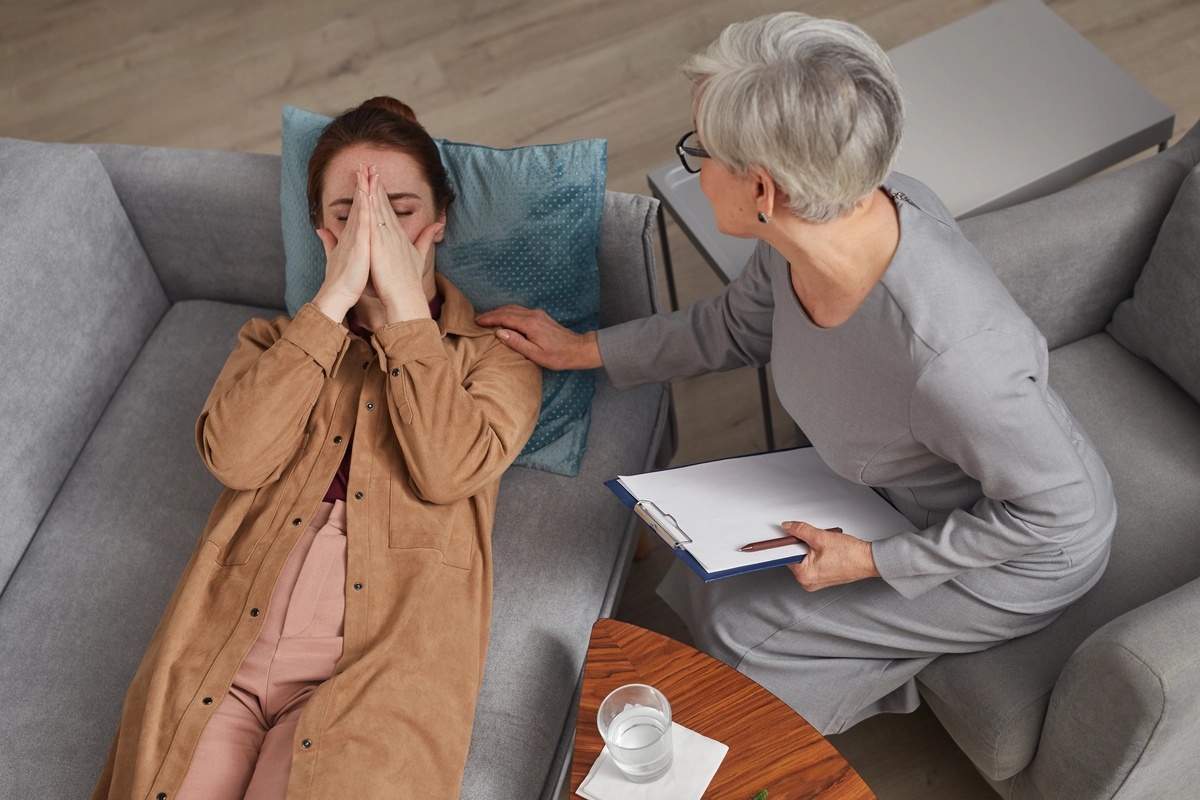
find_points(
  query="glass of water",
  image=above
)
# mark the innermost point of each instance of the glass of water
(635, 723)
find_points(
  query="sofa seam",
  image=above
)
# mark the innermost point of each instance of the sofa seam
(75, 461)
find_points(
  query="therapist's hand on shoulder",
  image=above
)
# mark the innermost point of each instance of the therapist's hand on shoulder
(533, 334)
(833, 557)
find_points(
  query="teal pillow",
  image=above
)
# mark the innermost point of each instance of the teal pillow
(524, 229)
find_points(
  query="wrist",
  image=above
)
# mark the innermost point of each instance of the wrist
(869, 561)
(403, 309)
(588, 352)
(332, 305)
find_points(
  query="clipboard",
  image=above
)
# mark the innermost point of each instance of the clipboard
(675, 538)
(756, 493)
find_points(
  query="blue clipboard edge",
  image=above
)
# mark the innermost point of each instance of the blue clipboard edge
(630, 501)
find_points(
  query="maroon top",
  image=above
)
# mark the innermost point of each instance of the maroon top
(337, 489)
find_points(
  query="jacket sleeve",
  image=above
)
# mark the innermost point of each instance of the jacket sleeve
(730, 330)
(253, 422)
(980, 406)
(457, 433)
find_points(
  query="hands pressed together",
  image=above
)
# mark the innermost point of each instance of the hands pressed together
(833, 557)
(374, 257)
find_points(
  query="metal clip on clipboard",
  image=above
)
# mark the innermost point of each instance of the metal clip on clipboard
(662, 523)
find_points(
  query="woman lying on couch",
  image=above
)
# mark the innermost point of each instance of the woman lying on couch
(327, 637)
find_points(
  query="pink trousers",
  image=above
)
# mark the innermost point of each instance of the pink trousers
(246, 748)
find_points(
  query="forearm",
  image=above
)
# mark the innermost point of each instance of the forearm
(667, 347)
(714, 334)
(457, 433)
(989, 533)
(254, 419)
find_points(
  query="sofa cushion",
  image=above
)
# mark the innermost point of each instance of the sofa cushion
(234, 256)
(79, 300)
(1161, 322)
(1148, 432)
(557, 545)
(1069, 258)
(84, 601)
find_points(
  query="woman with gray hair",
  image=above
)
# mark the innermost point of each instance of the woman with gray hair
(901, 356)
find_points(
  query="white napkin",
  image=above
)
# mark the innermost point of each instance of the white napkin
(693, 766)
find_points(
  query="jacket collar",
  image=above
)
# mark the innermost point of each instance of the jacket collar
(458, 315)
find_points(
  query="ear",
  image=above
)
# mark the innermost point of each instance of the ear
(442, 233)
(764, 189)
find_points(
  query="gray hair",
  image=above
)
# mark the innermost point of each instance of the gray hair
(814, 102)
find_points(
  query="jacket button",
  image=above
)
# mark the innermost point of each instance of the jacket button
(307, 743)
(207, 701)
(254, 612)
(395, 373)
(358, 587)
(358, 495)
(337, 440)
(296, 521)
(370, 406)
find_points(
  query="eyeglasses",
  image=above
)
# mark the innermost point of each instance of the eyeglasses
(690, 154)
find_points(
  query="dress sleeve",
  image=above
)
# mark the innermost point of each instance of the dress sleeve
(730, 330)
(981, 407)
(457, 433)
(252, 424)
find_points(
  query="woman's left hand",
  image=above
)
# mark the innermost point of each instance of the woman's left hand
(833, 557)
(397, 264)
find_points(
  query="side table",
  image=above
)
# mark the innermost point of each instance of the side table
(770, 746)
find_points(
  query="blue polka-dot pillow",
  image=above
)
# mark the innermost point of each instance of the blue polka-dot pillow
(524, 229)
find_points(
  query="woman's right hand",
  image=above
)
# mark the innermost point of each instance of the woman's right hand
(533, 334)
(348, 259)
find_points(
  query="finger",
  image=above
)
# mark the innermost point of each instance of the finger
(328, 240)
(802, 572)
(381, 206)
(356, 222)
(508, 316)
(801, 530)
(424, 240)
(516, 341)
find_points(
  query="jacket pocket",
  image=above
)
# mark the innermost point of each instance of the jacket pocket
(241, 520)
(414, 523)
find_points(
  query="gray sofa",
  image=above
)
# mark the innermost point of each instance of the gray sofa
(1105, 702)
(126, 274)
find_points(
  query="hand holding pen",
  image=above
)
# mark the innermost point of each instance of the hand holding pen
(834, 557)
(782, 541)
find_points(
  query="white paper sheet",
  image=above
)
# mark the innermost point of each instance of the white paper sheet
(723, 505)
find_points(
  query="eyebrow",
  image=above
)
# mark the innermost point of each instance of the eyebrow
(345, 201)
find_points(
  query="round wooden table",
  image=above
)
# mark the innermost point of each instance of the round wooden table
(770, 746)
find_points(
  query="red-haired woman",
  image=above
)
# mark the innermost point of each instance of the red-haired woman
(328, 634)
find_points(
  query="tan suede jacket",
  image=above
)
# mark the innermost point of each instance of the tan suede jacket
(438, 410)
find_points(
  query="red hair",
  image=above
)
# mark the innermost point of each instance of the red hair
(388, 124)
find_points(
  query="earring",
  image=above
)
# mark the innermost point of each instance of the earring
(763, 218)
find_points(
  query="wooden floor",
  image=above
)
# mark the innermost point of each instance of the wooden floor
(213, 74)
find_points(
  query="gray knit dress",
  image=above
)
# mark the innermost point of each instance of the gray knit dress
(935, 391)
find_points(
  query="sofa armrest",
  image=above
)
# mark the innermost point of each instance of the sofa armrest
(628, 280)
(1071, 257)
(1123, 715)
(209, 221)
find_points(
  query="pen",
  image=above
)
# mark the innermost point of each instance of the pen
(782, 541)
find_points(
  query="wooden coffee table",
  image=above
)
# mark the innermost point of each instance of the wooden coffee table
(770, 746)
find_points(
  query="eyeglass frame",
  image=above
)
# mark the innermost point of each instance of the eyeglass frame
(695, 152)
